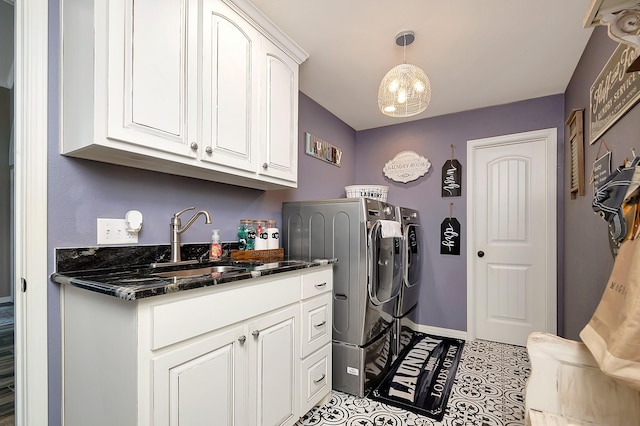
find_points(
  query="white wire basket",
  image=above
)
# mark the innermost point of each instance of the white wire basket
(377, 192)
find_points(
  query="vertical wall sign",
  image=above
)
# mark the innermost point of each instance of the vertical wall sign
(601, 169)
(450, 235)
(451, 177)
(322, 150)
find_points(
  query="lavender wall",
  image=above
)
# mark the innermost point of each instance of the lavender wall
(588, 260)
(443, 296)
(82, 190)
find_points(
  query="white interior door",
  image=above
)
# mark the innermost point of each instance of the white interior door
(512, 236)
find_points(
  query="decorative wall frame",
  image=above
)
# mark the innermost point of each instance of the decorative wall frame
(613, 92)
(576, 152)
(406, 166)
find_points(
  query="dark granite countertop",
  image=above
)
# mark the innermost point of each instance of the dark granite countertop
(127, 272)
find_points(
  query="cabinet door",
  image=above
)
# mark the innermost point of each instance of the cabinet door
(152, 74)
(229, 88)
(202, 382)
(279, 122)
(274, 368)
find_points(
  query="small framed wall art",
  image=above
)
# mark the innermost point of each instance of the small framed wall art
(576, 154)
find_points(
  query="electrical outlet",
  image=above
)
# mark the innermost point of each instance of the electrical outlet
(114, 231)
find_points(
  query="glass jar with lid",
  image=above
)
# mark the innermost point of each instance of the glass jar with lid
(246, 234)
(273, 241)
(262, 236)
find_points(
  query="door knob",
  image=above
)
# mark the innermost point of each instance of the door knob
(480, 253)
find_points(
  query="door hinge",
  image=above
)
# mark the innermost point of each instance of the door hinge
(24, 285)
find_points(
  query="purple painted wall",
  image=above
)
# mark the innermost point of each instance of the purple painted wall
(588, 260)
(443, 295)
(81, 190)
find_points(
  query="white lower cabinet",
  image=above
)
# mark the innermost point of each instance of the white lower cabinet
(248, 372)
(315, 339)
(273, 369)
(201, 382)
(256, 352)
(316, 378)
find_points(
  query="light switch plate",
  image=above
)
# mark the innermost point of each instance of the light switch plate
(114, 231)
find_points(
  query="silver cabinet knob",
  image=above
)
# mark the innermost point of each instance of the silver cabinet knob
(194, 146)
(242, 339)
(320, 325)
(255, 333)
(265, 166)
(208, 150)
(320, 285)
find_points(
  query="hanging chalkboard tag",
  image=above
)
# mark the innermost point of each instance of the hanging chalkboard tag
(452, 178)
(450, 236)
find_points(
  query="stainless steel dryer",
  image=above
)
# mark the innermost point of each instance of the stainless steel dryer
(366, 279)
(407, 302)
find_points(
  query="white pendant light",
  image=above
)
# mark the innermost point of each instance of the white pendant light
(406, 89)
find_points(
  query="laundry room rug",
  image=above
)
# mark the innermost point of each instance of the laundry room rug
(421, 378)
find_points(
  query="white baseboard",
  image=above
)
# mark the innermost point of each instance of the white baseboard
(443, 332)
(6, 299)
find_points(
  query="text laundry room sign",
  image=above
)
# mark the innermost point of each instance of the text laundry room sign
(406, 166)
(322, 150)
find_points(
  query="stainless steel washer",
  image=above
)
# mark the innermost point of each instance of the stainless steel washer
(367, 280)
(407, 302)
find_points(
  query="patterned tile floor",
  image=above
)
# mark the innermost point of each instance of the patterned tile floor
(488, 391)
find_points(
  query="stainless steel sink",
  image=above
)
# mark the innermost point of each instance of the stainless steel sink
(279, 264)
(209, 270)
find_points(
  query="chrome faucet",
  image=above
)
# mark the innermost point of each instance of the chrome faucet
(176, 230)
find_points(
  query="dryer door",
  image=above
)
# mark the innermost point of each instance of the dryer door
(413, 240)
(385, 266)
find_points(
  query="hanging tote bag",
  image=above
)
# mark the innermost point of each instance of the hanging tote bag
(613, 333)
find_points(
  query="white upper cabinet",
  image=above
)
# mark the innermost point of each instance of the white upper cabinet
(279, 120)
(229, 88)
(203, 89)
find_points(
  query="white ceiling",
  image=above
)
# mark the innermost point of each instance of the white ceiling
(477, 53)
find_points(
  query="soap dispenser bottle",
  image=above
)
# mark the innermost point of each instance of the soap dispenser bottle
(215, 251)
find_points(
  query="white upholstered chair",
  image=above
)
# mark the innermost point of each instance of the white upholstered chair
(566, 387)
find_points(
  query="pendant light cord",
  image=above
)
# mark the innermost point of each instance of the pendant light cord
(404, 49)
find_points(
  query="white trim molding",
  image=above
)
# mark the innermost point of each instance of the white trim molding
(443, 332)
(437, 331)
(31, 95)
